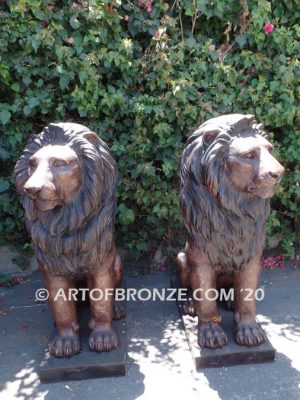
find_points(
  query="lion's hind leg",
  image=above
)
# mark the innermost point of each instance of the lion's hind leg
(183, 275)
(119, 308)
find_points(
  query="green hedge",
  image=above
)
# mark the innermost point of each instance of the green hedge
(142, 74)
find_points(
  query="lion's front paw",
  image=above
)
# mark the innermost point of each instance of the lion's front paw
(119, 311)
(187, 307)
(65, 345)
(103, 339)
(211, 335)
(249, 334)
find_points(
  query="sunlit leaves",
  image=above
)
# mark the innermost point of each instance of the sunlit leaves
(144, 79)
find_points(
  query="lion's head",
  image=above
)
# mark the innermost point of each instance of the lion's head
(67, 179)
(228, 173)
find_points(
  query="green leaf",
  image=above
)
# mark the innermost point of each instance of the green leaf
(191, 42)
(189, 12)
(241, 40)
(39, 14)
(33, 102)
(15, 87)
(27, 110)
(5, 116)
(64, 81)
(75, 24)
(126, 215)
(4, 185)
(4, 154)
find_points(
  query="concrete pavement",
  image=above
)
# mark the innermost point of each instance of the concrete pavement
(159, 361)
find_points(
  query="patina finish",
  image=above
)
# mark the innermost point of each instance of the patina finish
(228, 175)
(67, 178)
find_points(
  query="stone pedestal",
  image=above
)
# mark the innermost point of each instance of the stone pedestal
(230, 354)
(87, 364)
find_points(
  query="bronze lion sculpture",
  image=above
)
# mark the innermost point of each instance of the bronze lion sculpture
(228, 174)
(67, 178)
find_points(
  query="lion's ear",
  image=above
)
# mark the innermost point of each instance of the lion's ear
(209, 136)
(92, 138)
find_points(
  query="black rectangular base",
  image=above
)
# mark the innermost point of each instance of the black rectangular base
(87, 364)
(230, 354)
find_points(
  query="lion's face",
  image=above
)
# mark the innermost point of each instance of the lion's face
(55, 176)
(67, 178)
(252, 167)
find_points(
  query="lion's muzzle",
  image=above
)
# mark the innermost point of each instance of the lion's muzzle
(271, 173)
(41, 191)
(32, 192)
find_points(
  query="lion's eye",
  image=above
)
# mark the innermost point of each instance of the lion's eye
(251, 154)
(59, 163)
(32, 163)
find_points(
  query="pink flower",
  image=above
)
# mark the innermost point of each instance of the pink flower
(146, 4)
(268, 28)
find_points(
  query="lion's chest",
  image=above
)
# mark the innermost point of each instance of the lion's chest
(73, 256)
(229, 249)
(75, 266)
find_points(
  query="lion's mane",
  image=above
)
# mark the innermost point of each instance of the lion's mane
(227, 224)
(73, 238)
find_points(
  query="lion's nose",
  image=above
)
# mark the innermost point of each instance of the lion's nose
(274, 175)
(278, 174)
(32, 191)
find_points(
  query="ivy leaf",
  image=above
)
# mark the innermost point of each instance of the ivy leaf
(33, 102)
(241, 40)
(132, 27)
(5, 116)
(39, 14)
(4, 154)
(189, 12)
(64, 81)
(75, 24)
(4, 185)
(26, 110)
(15, 87)
(126, 215)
